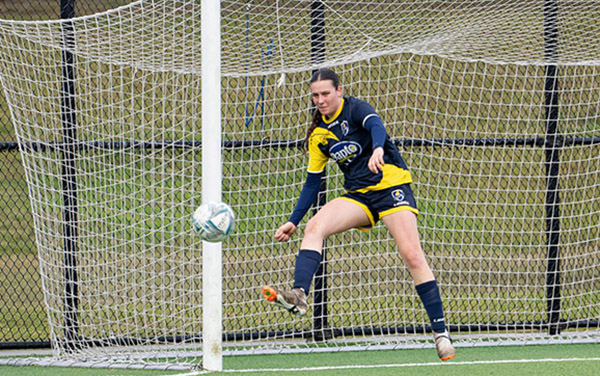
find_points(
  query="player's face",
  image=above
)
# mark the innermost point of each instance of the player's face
(326, 97)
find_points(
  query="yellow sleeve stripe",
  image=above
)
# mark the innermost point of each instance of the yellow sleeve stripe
(316, 159)
(320, 135)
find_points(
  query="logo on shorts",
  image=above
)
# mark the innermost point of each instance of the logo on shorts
(398, 196)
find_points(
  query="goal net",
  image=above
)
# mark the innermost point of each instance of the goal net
(495, 106)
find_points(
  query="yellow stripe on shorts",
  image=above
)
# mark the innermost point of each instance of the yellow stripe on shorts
(398, 209)
(366, 210)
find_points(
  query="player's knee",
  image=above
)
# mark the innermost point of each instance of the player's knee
(414, 258)
(314, 229)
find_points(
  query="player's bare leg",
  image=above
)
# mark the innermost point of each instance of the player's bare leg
(403, 227)
(336, 216)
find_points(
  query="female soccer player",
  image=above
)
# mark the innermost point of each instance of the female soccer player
(377, 184)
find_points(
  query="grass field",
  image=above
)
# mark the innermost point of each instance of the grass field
(572, 359)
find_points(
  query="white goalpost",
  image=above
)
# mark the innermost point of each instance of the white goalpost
(127, 120)
(212, 286)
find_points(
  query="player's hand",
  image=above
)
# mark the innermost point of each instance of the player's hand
(376, 161)
(285, 232)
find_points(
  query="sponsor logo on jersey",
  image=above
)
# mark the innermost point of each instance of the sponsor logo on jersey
(345, 151)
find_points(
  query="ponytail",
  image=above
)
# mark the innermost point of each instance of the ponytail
(316, 119)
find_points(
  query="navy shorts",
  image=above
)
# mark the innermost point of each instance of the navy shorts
(378, 204)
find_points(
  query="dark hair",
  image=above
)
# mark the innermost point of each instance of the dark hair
(320, 75)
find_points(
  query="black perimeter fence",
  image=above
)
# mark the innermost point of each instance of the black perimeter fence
(23, 322)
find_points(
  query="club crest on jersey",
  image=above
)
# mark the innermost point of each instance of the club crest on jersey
(345, 151)
(344, 127)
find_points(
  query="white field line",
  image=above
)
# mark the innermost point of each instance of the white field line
(399, 365)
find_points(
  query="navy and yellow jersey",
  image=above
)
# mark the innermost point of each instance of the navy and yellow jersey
(344, 139)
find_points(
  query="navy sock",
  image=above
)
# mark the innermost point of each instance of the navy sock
(307, 264)
(432, 300)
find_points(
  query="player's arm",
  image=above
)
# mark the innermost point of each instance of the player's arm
(363, 113)
(308, 195)
(375, 126)
(316, 167)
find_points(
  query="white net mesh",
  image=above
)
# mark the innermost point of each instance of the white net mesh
(460, 86)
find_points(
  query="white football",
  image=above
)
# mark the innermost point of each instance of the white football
(214, 221)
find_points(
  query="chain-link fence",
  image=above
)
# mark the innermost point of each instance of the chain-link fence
(23, 320)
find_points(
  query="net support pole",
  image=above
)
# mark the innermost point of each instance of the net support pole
(212, 311)
(553, 143)
(68, 178)
(317, 52)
